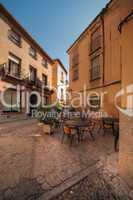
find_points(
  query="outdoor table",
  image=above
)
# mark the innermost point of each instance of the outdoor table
(78, 125)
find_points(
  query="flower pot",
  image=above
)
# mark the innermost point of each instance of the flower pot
(47, 129)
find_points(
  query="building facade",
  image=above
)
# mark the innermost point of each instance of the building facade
(101, 63)
(25, 64)
(95, 58)
(126, 116)
(59, 82)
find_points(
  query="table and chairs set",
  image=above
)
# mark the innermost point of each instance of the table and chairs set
(77, 129)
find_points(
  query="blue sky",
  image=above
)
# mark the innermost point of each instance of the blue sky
(55, 24)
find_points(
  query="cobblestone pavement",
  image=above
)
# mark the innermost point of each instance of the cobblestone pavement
(101, 185)
(32, 163)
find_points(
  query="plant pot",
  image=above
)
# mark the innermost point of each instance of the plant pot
(47, 128)
(40, 124)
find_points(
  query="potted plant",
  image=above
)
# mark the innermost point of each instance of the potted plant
(44, 122)
(49, 118)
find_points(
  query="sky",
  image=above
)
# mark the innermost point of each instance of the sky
(55, 24)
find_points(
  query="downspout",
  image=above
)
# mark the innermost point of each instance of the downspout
(122, 23)
(103, 34)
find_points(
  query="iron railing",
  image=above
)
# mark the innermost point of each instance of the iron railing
(5, 71)
(6, 74)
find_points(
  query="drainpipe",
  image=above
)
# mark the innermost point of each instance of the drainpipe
(124, 21)
(103, 34)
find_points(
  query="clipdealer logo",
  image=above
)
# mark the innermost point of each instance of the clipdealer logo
(128, 93)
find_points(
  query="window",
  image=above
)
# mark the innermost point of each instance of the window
(95, 68)
(33, 75)
(95, 103)
(62, 77)
(45, 80)
(46, 100)
(95, 40)
(14, 65)
(33, 53)
(45, 63)
(75, 63)
(10, 97)
(15, 37)
(75, 59)
(75, 73)
(62, 94)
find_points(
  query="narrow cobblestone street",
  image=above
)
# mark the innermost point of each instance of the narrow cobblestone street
(98, 186)
(33, 164)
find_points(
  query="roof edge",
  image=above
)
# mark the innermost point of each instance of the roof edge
(12, 19)
(100, 14)
(125, 20)
(59, 61)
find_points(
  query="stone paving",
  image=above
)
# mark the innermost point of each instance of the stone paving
(33, 163)
(96, 187)
(103, 184)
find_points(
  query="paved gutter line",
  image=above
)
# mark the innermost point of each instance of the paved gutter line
(58, 190)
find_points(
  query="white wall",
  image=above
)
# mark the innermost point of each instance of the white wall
(61, 85)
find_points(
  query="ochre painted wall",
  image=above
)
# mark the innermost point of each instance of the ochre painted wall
(110, 55)
(126, 122)
(22, 52)
(112, 18)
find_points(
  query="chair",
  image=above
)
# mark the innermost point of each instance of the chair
(108, 124)
(98, 124)
(69, 132)
(88, 129)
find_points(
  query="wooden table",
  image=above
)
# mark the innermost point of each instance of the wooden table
(78, 125)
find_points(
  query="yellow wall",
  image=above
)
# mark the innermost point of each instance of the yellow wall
(7, 46)
(110, 54)
(126, 122)
(22, 52)
(83, 64)
(54, 81)
(116, 73)
(112, 18)
(83, 48)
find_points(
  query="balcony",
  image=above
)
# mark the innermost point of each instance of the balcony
(10, 76)
(42, 86)
(7, 74)
(46, 87)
